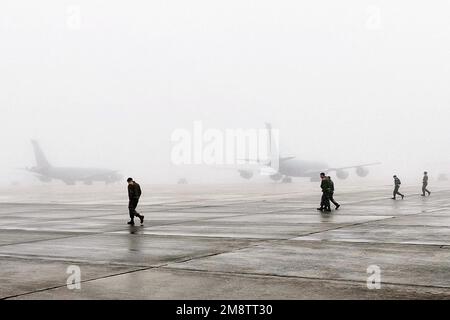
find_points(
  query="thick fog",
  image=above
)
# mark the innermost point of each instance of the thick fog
(106, 83)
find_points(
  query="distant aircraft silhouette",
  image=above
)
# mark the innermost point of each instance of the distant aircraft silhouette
(69, 175)
(289, 166)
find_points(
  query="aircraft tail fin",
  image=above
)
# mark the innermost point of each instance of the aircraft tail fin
(273, 141)
(41, 160)
(273, 146)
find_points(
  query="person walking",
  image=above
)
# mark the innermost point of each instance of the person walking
(325, 186)
(397, 184)
(331, 195)
(134, 193)
(425, 184)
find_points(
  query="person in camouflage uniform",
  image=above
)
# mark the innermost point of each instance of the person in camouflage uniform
(331, 196)
(397, 184)
(326, 191)
(425, 184)
(134, 193)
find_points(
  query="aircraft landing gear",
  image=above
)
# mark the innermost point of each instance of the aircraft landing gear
(287, 180)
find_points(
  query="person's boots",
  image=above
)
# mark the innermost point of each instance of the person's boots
(131, 222)
(320, 209)
(337, 206)
(429, 193)
(141, 217)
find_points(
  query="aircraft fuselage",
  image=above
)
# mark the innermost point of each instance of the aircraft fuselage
(300, 168)
(71, 175)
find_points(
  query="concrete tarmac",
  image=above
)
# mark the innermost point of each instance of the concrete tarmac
(233, 242)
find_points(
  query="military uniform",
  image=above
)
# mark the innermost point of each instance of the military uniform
(331, 195)
(134, 193)
(425, 185)
(326, 191)
(397, 183)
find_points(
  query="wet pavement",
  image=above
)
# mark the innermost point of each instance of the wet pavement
(224, 243)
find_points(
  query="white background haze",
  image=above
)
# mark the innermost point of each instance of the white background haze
(345, 82)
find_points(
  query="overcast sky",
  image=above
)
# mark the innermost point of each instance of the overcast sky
(105, 83)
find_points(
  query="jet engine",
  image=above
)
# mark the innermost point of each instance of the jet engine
(246, 174)
(341, 174)
(362, 172)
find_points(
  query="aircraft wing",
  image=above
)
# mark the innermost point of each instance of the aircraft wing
(342, 168)
(253, 160)
(353, 167)
(266, 162)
